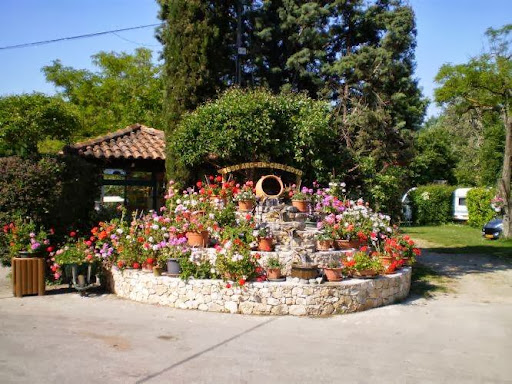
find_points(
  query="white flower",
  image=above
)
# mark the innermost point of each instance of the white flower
(425, 196)
(155, 226)
(119, 230)
(128, 237)
(155, 247)
(151, 239)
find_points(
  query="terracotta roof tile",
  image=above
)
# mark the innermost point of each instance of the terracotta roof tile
(133, 142)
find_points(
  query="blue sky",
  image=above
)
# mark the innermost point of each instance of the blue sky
(448, 31)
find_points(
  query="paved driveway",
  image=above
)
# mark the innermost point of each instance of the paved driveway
(460, 337)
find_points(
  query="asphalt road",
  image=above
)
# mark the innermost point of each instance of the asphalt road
(459, 337)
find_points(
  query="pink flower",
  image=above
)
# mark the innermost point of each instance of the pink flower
(56, 275)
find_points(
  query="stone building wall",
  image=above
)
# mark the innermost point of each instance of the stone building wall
(262, 298)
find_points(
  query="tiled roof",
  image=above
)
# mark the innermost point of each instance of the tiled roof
(133, 142)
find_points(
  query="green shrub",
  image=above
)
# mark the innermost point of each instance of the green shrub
(54, 191)
(432, 204)
(255, 125)
(478, 201)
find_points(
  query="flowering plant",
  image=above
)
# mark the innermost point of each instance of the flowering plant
(246, 192)
(23, 235)
(196, 264)
(303, 194)
(235, 262)
(497, 203)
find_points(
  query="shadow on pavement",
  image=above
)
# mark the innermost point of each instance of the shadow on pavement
(198, 354)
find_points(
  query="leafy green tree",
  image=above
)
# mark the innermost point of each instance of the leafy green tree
(435, 159)
(485, 84)
(28, 121)
(126, 89)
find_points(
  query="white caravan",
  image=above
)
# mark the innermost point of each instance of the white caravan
(460, 209)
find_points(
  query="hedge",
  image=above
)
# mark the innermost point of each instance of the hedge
(478, 201)
(54, 191)
(432, 204)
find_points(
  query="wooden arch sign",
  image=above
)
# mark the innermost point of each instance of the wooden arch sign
(262, 164)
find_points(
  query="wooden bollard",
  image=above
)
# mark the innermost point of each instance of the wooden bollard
(28, 276)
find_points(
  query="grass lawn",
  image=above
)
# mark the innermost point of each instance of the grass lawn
(461, 239)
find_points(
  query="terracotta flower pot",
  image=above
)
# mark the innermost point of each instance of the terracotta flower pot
(301, 205)
(333, 274)
(246, 205)
(274, 273)
(365, 273)
(324, 245)
(197, 239)
(346, 244)
(386, 261)
(265, 244)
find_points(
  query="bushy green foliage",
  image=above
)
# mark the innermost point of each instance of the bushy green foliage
(55, 192)
(28, 120)
(432, 204)
(478, 201)
(255, 125)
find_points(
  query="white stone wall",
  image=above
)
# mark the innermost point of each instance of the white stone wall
(286, 298)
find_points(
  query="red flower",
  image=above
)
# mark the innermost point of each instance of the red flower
(257, 256)
(201, 191)
(364, 248)
(52, 231)
(241, 282)
(416, 251)
(72, 233)
(248, 217)
(92, 238)
(140, 239)
(136, 265)
(50, 249)
(88, 243)
(120, 263)
(228, 285)
(218, 179)
(199, 184)
(150, 261)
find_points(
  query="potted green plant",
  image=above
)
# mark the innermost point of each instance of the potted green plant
(273, 268)
(324, 241)
(265, 239)
(333, 270)
(365, 265)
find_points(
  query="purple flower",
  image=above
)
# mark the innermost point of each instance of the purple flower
(34, 246)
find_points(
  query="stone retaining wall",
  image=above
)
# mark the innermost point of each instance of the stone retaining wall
(286, 298)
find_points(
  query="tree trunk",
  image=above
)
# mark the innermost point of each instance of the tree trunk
(505, 181)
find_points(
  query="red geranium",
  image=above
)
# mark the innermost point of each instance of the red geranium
(241, 282)
(72, 233)
(136, 265)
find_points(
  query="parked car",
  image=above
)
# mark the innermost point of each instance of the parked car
(493, 229)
